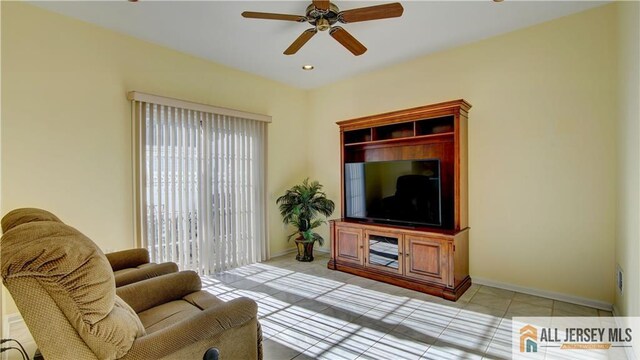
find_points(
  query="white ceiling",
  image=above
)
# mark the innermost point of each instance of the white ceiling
(215, 30)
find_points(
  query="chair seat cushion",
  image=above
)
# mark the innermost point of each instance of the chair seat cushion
(164, 315)
(159, 317)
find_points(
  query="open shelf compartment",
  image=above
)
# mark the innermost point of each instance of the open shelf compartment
(394, 131)
(357, 136)
(434, 126)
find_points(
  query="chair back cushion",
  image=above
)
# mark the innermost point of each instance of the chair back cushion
(25, 215)
(77, 276)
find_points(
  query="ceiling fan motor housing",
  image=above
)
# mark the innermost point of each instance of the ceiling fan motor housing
(322, 19)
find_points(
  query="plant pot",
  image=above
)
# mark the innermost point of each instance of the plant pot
(305, 250)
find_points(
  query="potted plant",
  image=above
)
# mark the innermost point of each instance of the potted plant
(302, 206)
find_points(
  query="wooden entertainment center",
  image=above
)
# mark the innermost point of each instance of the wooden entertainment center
(433, 260)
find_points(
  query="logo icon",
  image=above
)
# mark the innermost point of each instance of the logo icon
(528, 339)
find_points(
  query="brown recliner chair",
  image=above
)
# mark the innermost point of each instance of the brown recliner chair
(128, 266)
(63, 284)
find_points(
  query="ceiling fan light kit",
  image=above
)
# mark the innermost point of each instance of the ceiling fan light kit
(323, 15)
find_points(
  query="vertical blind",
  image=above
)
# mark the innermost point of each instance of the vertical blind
(201, 187)
(355, 189)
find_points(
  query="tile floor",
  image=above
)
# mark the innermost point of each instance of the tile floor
(310, 312)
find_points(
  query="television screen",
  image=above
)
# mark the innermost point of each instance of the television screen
(394, 191)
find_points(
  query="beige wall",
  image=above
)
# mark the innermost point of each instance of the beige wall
(66, 124)
(541, 146)
(628, 211)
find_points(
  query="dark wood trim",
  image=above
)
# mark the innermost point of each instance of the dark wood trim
(342, 150)
(426, 287)
(414, 230)
(443, 137)
(331, 264)
(422, 112)
(455, 293)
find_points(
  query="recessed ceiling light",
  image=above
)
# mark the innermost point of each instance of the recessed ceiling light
(307, 67)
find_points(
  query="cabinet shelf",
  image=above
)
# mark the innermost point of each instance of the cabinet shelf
(401, 131)
(401, 140)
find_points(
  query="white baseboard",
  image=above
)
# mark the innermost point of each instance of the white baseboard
(5, 334)
(544, 293)
(283, 252)
(615, 311)
(5, 326)
(11, 321)
(292, 250)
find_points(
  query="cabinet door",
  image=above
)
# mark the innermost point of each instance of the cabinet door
(349, 245)
(383, 251)
(427, 259)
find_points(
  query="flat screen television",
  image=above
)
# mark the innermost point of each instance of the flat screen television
(399, 192)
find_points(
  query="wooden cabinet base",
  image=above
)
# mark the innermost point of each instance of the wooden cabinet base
(432, 261)
(428, 288)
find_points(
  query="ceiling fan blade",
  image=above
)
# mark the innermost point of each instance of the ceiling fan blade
(270, 16)
(300, 41)
(321, 4)
(371, 13)
(347, 40)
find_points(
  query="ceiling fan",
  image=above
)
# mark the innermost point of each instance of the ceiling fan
(323, 15)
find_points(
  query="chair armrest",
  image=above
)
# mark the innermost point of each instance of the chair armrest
(146, 294)
(199, 328)
(143, 272)
(127, 258)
